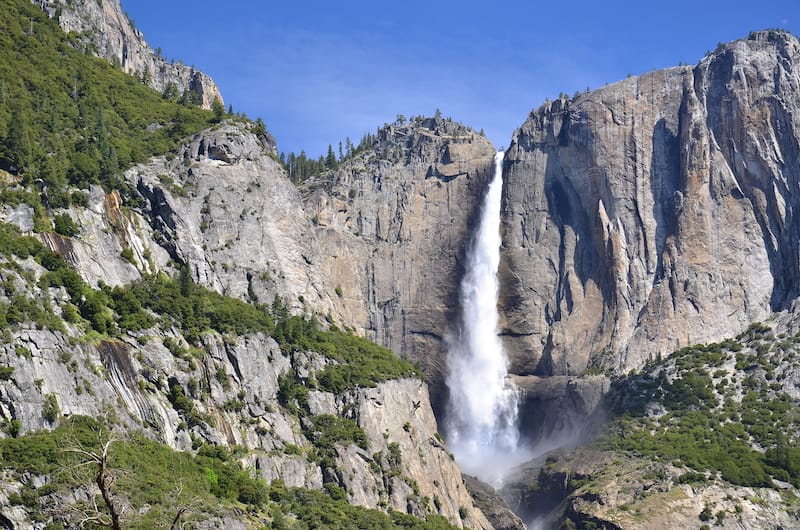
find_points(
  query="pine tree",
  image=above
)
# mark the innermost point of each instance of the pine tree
(170, 92)
(218, 109)
(185, 280)
(330, 160)
(20, 141)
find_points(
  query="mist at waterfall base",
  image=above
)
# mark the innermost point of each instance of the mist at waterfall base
(481, 423)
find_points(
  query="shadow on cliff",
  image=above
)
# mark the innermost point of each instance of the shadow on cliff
(554, 420)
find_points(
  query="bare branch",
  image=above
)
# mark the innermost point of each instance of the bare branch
(104, 479)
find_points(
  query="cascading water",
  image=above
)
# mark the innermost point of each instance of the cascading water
(482, 414)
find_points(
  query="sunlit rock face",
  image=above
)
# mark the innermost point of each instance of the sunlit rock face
(653, 213)
(393, 225)
(108, 32)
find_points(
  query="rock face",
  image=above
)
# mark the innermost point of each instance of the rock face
(654, 213)
(110, 34)
(375, 245)
(614, 490)
(557, 407)
(234, 386)
(393, 224)
(399, 412)
(224, 206)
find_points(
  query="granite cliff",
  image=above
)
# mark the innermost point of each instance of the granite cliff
(225, 208)
(104, 29)
(393, 224)
(646, 216)
(653, 213)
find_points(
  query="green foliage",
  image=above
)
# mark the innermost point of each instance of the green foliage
(6, 372)
(12, 428)
(68, 117)
(315, 509)
(50, 409)
(691, 391)
(130, 312)
(196, 309)
(154, 476)
(127, 255)
(292, 394)
(360, 363)
(20, 309)
(702, 430)
(300, 167)
(328, 430)
(65, 225)
(218, 110)
(691, 477)
(184, 405)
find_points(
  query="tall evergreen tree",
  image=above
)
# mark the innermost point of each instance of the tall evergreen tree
(330, 160)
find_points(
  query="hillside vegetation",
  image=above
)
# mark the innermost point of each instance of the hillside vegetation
(70, 119)
(721, 409)
(68, 122)
(701, 438)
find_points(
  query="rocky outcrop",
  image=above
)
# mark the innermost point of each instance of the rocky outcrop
(225, 207)
(555, 409)
(393, 224)
(108, 32)
(397, 416)
(232, 385)
(655, 212)
(613, 491)
(490, 503)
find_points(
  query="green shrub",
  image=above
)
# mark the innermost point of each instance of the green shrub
(359, 362)
(127, 255)
(316, 509)
(50, 409)
(6, 372)
(327, 431)
(65, 225)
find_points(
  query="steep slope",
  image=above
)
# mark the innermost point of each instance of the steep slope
(708, 436)
(224, 205)
(193, 369)
(393, 224)
(104, 312)
(654, 213)
(105, 29)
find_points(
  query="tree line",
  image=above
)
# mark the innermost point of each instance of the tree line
(300, 166)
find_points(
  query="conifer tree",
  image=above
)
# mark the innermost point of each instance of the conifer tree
(330, 160)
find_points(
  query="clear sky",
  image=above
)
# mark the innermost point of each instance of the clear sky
(320, 71)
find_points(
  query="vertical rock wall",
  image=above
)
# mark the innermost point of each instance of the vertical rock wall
(393, 225)
(655, 212)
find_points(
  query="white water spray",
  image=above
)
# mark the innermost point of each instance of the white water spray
(482, 416)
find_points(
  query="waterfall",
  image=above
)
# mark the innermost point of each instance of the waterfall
(481, 422)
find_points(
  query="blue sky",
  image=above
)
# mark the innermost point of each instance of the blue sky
(320, 71)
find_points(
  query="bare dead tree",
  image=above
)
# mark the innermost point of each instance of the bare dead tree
(104, 478)
(93, 469)
(177, 524)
